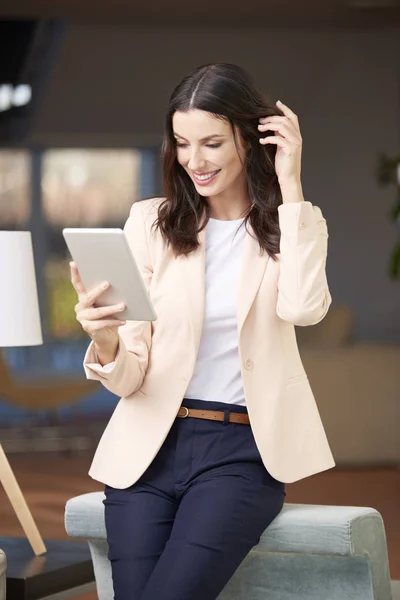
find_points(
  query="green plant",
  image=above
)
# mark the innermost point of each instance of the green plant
(388, 173)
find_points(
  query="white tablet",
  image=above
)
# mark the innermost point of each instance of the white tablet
(105, 255)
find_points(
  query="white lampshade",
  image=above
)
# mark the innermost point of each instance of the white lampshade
(19, 306)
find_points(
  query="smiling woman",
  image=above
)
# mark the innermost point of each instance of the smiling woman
(212, 162)
(216, 412)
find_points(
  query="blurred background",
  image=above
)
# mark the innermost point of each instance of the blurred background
(83, 92)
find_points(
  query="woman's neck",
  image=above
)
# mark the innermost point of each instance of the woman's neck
(229, 206)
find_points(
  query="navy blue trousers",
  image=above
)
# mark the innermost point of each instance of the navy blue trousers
(181, 531)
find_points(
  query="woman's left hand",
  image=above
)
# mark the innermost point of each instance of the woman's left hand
(289, 145)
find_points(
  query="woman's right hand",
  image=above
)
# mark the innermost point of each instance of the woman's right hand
(98, 323)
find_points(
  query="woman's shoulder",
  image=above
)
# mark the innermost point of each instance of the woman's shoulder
(146, 211)
(147, 206)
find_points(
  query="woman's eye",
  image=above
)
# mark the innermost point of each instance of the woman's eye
(208, 145)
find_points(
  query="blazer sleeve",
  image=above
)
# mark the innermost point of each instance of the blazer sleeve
(303, 293)
(125, 374)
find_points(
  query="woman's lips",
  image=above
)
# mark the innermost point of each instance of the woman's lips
(207, 180)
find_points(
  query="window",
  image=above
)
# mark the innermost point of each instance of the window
(14, 189)
(81, 188)
(89, 188)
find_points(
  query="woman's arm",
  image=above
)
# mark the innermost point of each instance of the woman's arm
(303, 293)
(125, 374)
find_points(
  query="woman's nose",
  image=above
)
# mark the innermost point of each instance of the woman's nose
(196, 161)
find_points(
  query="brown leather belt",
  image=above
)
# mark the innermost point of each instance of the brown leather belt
(213, 415)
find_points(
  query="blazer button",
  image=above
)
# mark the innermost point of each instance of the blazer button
(248, 364)
(303, 225)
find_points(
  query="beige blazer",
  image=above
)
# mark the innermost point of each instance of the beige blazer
(155, 360)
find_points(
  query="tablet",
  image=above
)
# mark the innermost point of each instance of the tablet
(105, 255)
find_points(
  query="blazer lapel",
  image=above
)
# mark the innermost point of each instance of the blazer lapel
(252, 271)
(192, 269)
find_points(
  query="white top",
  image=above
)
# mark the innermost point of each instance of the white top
(217, 375)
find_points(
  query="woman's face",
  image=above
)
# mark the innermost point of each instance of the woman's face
(205, 147)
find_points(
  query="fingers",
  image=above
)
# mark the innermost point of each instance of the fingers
(86, 299)
(101, 312)
(93, 319)
(282, 129)
(94, 294)
(279, 141)
(76, 279)
(286, 128)
(290, 119)
(287, 111)
(275, 118)
(288, 114)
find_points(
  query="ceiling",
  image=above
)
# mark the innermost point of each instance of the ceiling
(212, 13)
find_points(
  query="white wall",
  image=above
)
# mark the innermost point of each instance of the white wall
(110, 87)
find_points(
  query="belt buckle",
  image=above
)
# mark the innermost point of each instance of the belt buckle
(187, 412)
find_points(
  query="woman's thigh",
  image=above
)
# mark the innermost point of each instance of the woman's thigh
(138, 522)
(220, 518)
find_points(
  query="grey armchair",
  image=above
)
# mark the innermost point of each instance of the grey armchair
(3, 567)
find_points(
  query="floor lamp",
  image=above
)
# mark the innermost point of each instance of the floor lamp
(19, 326)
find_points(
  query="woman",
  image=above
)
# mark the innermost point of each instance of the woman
(216, 412)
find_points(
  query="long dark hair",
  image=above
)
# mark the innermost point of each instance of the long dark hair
(226, 91)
